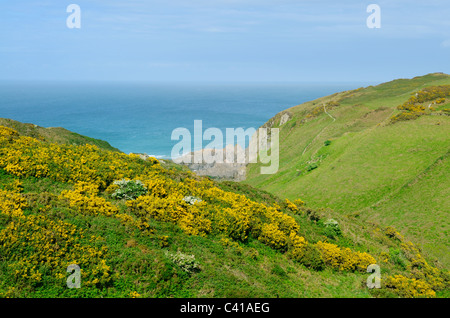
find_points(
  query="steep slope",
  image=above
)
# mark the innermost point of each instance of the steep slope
(345, 152)
(54, 134)
(138, 228)
(424, 217)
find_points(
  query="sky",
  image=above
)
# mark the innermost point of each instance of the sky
(223, 40)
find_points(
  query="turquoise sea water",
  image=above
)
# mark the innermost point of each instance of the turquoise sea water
(140, 117)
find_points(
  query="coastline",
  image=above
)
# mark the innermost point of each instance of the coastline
(221, 169)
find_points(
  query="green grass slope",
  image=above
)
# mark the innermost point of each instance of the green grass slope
(431, 232)
(351, 158)
(57, 207)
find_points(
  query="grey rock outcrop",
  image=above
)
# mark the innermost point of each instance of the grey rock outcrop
(231, 165)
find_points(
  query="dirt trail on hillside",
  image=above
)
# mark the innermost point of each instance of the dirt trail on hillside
(334, 119)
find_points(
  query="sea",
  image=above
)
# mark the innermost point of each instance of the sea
(138, 117)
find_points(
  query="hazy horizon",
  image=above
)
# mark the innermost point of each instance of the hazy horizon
(223, 41)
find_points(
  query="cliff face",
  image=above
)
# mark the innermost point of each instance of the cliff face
(222, 171)
(230, 163)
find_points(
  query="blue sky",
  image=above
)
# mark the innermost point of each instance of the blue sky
(223, 40)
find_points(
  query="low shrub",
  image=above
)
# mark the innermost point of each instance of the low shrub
(128, 189)
(186, 262)
(311, 258)
(313, 215)
(409, 287)
(191, 200)
(344, 259)
(272, 236)
(332, 228)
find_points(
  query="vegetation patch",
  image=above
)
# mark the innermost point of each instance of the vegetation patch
(422, 102)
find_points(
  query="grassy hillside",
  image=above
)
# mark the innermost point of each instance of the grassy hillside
(140, 228)
(54, 134)
(379, 153)
(430, 232)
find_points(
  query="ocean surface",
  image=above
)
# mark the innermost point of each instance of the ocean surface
(140, 117)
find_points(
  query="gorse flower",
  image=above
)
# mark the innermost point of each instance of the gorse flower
(33, 241)
(26, 156)
(344, 259)
(103, 184)
(409, 287)
(414, 108)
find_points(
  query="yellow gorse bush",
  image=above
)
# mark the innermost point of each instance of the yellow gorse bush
(296, 245)
(271, 235)
(291, 206)
(91, 170)
(26, 156)
(54, 244)
(31, 242)
(421, 270)
(344, 259)
(422, 280)
(84, 198)
(413, 108)
(8, 132)
(12, 203)
(409, 287)
(237, 217)
(220, 211)
(193, 223)
(234, 222)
